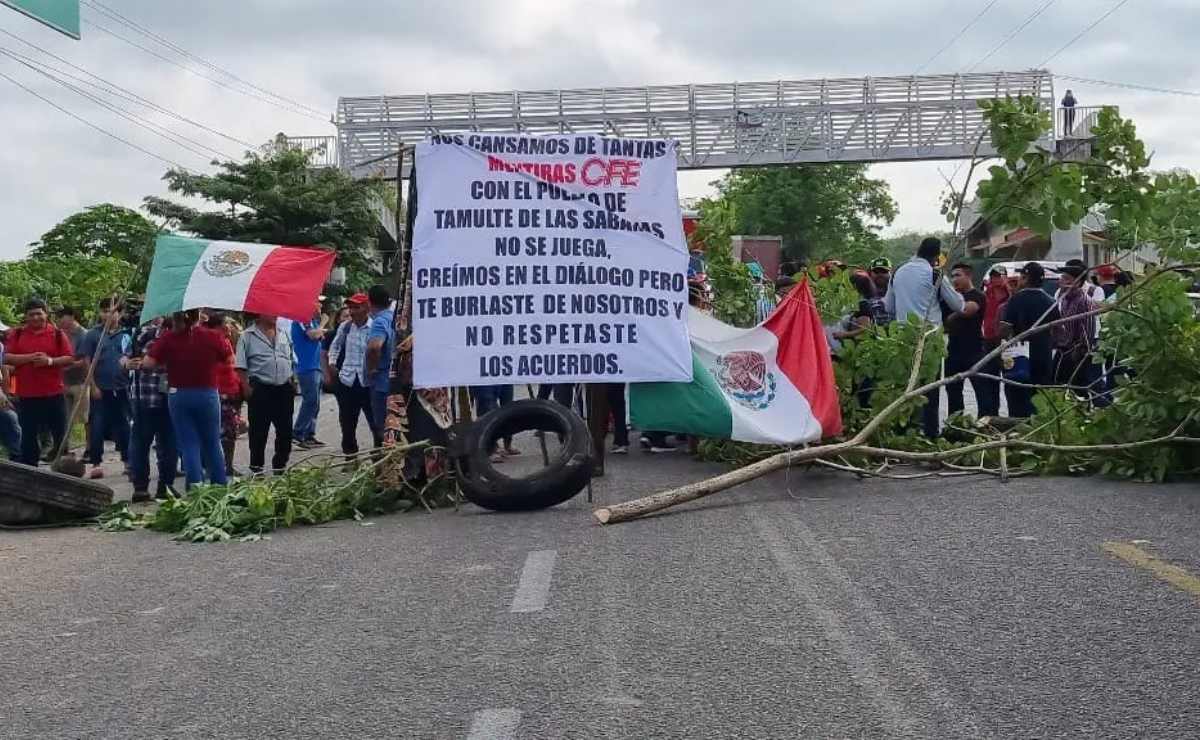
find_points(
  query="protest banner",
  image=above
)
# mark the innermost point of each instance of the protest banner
(548, 259)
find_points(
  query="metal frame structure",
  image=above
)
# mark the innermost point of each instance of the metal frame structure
(871, 119)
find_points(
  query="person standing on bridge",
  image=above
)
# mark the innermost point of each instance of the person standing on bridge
(915, 292)
(1068, 106)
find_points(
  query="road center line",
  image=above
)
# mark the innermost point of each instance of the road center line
(1139, 558)
(494, 724)
(534, 586)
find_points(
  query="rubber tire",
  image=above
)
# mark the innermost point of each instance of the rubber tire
(566, 476)
(38, 496)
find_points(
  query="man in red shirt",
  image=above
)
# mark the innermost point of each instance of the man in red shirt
(39, 352)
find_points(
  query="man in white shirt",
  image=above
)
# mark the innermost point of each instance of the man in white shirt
(919, 290)
(347, 374)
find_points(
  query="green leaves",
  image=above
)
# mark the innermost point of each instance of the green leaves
(78, 281)
(279, 199)
(1043, 190)
(105, 230)
(821, 211)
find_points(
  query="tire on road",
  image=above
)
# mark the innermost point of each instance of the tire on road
(37, 496)
(565, 476)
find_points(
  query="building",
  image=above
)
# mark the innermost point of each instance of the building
(1087, 241)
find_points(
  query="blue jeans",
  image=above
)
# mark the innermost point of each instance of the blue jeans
(109, 413)
(152, 425)
(491, 397)
(196, 415)
(10, 433)
(305, 427)
(379, 414)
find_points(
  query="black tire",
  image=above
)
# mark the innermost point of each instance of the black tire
(566, 475)
(38, 496)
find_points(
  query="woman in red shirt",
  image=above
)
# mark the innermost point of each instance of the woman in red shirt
(39, 351)
(193, 356)
(229, 386)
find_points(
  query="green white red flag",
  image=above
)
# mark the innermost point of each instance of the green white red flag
(772, 384)
(235, 276)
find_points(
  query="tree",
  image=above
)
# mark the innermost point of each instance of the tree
(901, 247)
(1148, 428)
(278, 198)
(79, 281)
(104, 230)
(1043, 190)
(821, 211)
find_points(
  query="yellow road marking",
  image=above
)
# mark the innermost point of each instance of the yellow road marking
(1139, 558)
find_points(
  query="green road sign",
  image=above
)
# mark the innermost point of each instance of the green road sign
(61, 15)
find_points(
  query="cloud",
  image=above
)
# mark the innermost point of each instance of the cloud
(313, 51)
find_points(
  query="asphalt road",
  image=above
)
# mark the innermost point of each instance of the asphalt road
(809, 605)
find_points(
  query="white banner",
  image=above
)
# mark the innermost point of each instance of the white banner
(548, 259)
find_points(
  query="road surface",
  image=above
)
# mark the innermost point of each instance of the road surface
(806, 605)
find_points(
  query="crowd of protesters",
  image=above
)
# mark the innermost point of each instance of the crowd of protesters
(977, 321)
(179, 385)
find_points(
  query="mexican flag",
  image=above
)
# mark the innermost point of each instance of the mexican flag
(235, 276)
(772, 384)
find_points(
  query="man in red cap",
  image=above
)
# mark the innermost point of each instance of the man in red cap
(347, 374)
(1106, 275)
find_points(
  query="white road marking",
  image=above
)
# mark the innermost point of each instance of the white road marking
(494, 724)
(896, 679)
(534, 587)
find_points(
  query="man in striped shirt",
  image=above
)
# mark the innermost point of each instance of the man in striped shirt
(352, 383)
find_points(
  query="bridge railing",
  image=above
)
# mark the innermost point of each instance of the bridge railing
(871, 119)
(322, 150)
(1078, 122)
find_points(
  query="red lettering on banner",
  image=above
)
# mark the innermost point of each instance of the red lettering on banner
(554, 173)
(600, 172)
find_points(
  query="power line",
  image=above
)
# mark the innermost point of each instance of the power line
(1131, 86)
(88, 123)
(191, 145)
(114, 89)
(1012, 34)
(1084, 32)
(215, 81)
(957, 36)
(128, 23)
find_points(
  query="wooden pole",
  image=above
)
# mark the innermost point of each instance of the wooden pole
(597, 405)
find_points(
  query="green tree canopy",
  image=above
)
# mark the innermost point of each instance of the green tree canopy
(278, 198)
(79, 281)
(821, 211)
(104, 230)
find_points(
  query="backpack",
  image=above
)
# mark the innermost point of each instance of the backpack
(342, 333)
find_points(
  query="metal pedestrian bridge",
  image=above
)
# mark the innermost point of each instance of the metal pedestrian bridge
(866, 119)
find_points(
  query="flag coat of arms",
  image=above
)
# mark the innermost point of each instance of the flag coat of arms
(772, 384)
(235, 276)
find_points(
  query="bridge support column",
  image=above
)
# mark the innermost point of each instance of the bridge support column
(1066, 244)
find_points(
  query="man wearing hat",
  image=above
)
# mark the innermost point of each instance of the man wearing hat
(881, 274)
(306, 343)
(349, 376)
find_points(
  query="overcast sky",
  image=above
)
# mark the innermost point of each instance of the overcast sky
(313, 51)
